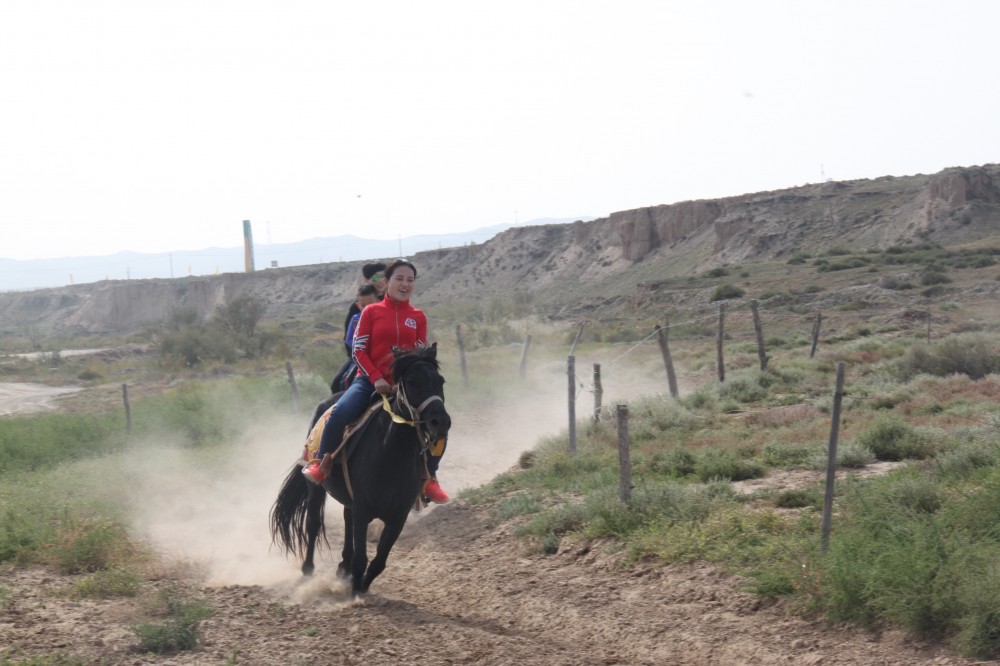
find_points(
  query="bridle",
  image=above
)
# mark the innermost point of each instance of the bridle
(415, 413)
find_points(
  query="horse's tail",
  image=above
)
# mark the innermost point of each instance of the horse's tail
(290, 510)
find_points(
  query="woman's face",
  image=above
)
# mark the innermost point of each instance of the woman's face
(401, 284)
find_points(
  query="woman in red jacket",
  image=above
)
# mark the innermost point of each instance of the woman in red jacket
(392, 322)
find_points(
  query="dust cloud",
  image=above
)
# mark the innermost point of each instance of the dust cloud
(213, 512)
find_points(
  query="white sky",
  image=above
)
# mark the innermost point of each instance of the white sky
(160, 126)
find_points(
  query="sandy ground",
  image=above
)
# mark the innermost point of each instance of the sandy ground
(27, 398)
(459, 588)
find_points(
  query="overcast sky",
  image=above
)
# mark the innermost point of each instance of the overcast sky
(160, 126)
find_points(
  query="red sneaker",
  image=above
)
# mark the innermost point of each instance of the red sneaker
(434, 492)
(313, 473)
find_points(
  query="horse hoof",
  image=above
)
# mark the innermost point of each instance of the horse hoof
(307, 570)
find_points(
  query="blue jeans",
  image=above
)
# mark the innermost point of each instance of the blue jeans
(347, 410)
(349, 407)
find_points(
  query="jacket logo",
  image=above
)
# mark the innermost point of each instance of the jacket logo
(410, 322)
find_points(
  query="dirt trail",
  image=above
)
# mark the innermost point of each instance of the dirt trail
(20, 398)
(459, 588)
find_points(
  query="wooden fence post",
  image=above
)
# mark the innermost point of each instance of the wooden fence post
(668, 361)
(295, 388)
(524, 356)
(579, 331)
(461, 354)
(831, 458)
(721, 368)
(571, 374)
(759, 331)
(598, 392)
(624, 457)
(815, 334)
(128, 410)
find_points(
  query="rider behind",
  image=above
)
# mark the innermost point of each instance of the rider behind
(389, 323)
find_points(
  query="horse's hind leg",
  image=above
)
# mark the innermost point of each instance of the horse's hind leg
(347, 554)
(314, 523)
(359, 561)
(390, 532)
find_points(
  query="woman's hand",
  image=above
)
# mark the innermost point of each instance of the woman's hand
(382, 387)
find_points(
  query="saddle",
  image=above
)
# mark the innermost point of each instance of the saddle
(311, 449)
(347, 445)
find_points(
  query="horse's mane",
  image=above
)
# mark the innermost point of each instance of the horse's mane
(406, 360)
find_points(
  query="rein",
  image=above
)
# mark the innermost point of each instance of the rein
(415, 412)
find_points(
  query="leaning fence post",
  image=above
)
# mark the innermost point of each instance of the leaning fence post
(718, 342)
(461, 354)
(598, 392)
(668, 361)
(831, 458)
(524, 356)
(571, 374)
(128, 410)
(759, 331)
(815, 333)
(624, 456)
(291, 382)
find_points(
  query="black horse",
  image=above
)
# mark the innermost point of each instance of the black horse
(384, 475)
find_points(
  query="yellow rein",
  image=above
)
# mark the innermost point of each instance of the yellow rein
(436, 450)
(396, 418)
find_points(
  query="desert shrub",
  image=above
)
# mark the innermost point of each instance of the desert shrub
(799, 258)
(934, 277)
(88, 545)
(113, 582)
(970, 355)
(674, 462)
(853, 455)
(743, 388)
(843, 264)
(717, 272)
(179, 629)
(891, 438)
(931, 292)
(984, 262)
(798, 498)
(964, 460)
(780, 454)
(725, 464)
(725, 292)
(517, 505)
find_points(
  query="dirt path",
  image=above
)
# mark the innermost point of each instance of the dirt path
(460, 588)
(18, 398)
(461, 591)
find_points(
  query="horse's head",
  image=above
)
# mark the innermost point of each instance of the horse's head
(422, 391)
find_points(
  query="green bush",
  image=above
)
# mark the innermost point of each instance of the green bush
(725, 292)
(966, 354)
(931, 278)
(742, 388)
(725, 464)
(891, 438)
(177, 632)
(113, 582)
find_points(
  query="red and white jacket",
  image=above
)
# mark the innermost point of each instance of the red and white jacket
(384, 325)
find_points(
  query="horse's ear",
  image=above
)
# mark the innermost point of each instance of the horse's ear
(432, 351)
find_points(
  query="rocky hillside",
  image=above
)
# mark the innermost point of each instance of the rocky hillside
(608, 257)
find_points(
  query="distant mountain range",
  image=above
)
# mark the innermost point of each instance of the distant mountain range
(17, 275)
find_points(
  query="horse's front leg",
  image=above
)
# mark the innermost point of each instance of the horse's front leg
(314, 522)
(390, 532)
(347, 554)
(359, 534)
